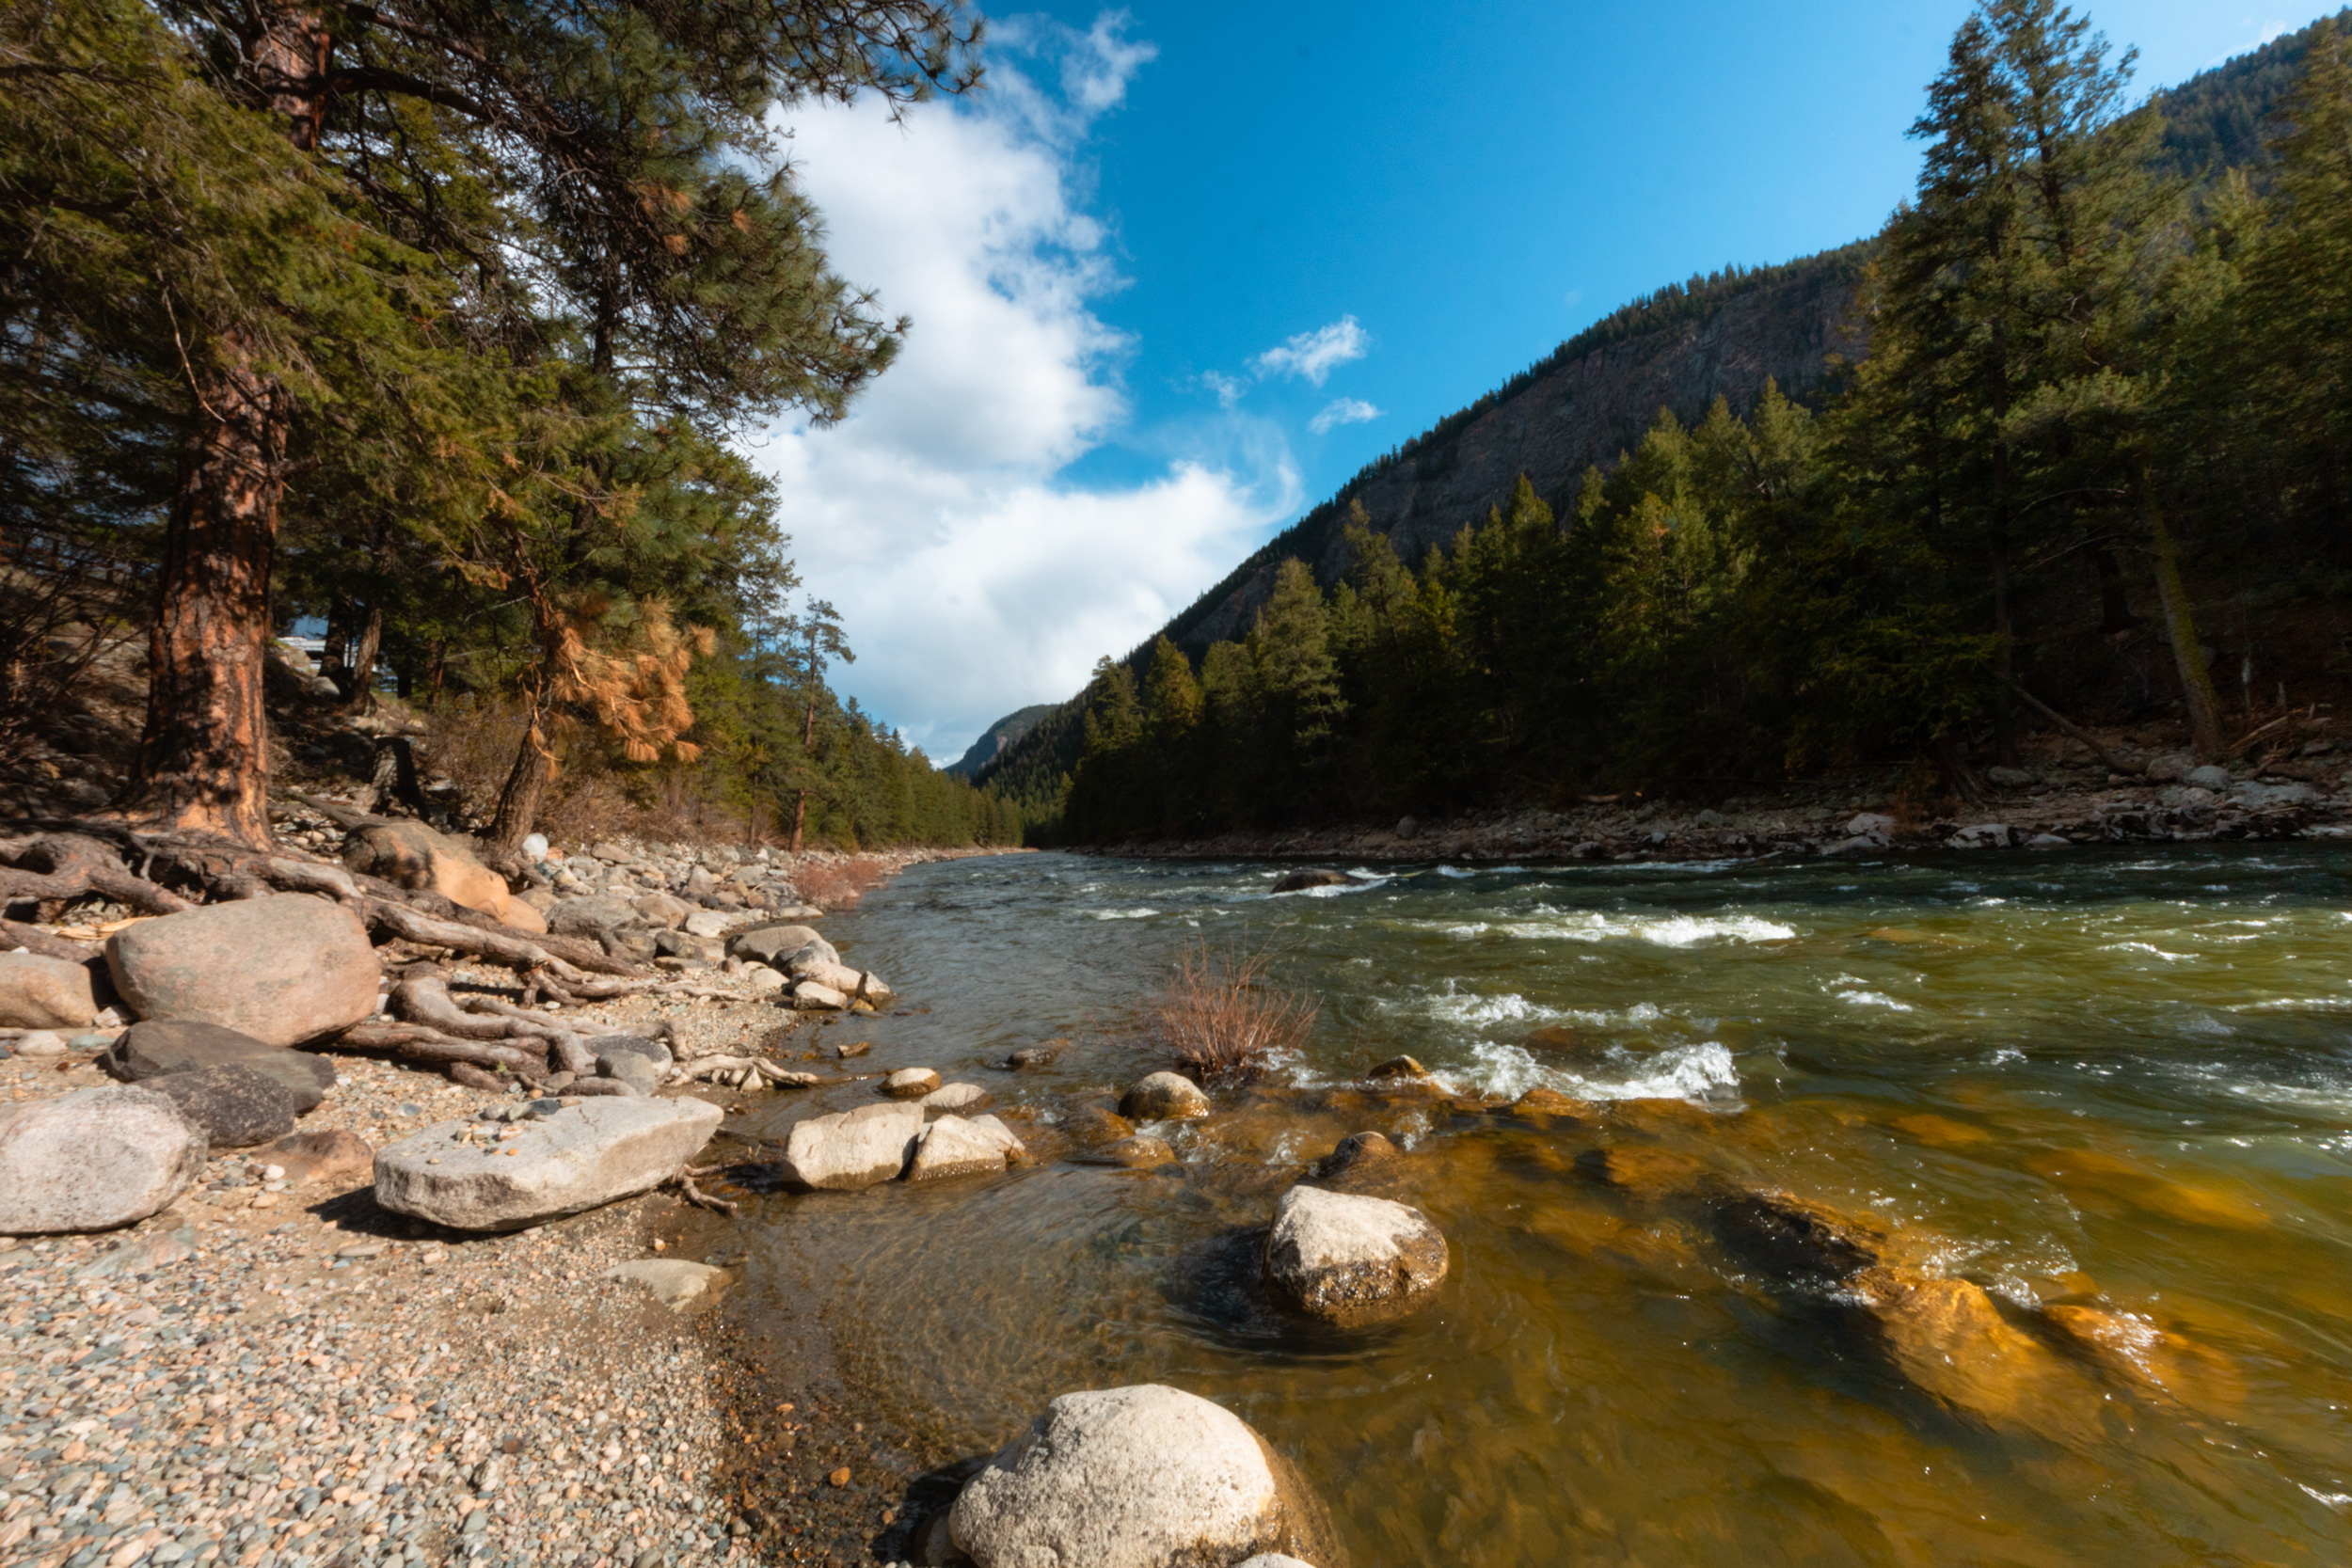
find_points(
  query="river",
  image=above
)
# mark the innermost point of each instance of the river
(2119, 1081)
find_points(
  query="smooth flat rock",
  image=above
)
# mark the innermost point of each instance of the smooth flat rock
(1349, 1259)
(37, 992)
(162, 1046)
(604, 1149)
(772, 944)
(675, 1283)
(1163, 1097)
(957, 1097)
(329, 1154)
(646, 1046)
(708, 924)
(1141, 1477)
(284, 969)
(1140, 1151)
(93, 1160)
(954, 1147)
(853, 1149)
(911, 1083)
(236, 1106)
(590, 916)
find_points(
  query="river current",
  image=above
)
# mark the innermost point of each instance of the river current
(2114, 1081)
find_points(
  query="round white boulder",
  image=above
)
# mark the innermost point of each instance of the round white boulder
(1349, 1259)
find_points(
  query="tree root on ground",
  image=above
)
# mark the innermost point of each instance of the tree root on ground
(744, 1072)
(684, 1181)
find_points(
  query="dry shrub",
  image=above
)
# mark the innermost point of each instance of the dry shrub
(1221, 1016)
(836, 884)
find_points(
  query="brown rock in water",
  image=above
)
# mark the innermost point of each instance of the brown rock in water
(1163, 1097)
(1360, 1159)
(330, 1154)
(1097, 1124)
(1031, 1057)
(2089, 1174)
(910, 1083)
(1399, 1067)
(1644, 1173)
(1541, 1101)
(284, 969)
(848, 1049)
(1553, 1036)
(1349, 1259)
(2144, 1353)
(1299, 882)
(1140, 1153)
(1948, 1338)
(1796, 1240)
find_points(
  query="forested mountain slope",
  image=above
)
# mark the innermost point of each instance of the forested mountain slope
(1589, 402)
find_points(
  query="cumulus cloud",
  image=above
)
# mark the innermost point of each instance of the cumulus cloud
(1342, 411)
(974, 575)
(1311, 355)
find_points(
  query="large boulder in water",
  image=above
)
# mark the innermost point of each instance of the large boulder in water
(37, 992)
(161, 1047)
(284, 969)
(1299, 882)
(93, 1160)
(1350, 1259)
(578, 1158)
(1142, 1477)
(1163, 1097)
(853, 1149)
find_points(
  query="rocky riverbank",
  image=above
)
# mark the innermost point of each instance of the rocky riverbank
(2056, 801)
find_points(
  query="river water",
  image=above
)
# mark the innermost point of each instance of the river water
(2120, 1082)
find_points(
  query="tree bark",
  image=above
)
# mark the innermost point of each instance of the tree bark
(203, 757)
(526, 784)
(2180, 626)
(366, 648)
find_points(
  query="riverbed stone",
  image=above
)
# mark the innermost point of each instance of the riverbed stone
(660, 910)
(1030, 1057)
(1349, 1259)
(675, 1283)
(1140, 1151)
(1359, 1159)
(236, 1106)
(910, 1083)
(1982, 836)
(1545, 1102)
(1163, 1097)
(93, 1160)
(604, 1149)
(2210, 776)
(1141, 1477)
(1642, 1172)
(159, 1047)
(329, 1154)
(1299, 882)
(1399, 1067)
(852, 1149)
(38, 992)
(958, 1097)
(950, 1146)
(284, 969)
(811, 997)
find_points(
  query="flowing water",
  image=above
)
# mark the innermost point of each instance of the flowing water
(2117, 1081)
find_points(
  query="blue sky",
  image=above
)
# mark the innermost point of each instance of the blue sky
(1182, 269)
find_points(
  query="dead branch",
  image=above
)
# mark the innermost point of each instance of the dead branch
(415, 1042)
(426, 1001)
(742, 1071)
(2114, 763)
(593, 1084)
(701, 1199)
(14, 934)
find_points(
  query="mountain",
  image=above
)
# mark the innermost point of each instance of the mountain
(994, 739)
(1586, 402)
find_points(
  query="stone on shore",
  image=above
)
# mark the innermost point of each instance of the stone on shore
(1349, 1259)
(580, 1156)
(93, 1160)
(708, 924)
(37, 992)
(1142, 1477)
(953, 1147)
(1299, 882)
(591, 916)
(911, 1083)
(1163, 1097)
(411, 855)
(772, 944)
(236, 1106)
(41, 1042)
(955, 1097)
(852, 1149)
(329, 1154)
(811, 997)
(660, 909)
(163, 1046)
(284, 969)
(675, 1283)
(627, 1067)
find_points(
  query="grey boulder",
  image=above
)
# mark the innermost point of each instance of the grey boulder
(1141, 1477)
(957, 1097)
(581, 1156)
(2208, 777)
(635, 1045)
(627, 1067)
(852, 1149)
(588, 917)
(284, 969)
(236, 1106)
(93, 1160)
(772, 944)
(37, 992)
(1349, 1259)
(953, 1147)
(1163, 1097)
(161, 1047)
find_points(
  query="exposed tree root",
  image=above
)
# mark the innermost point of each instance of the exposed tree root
(684, 1181)
(414, 1042)
(34, 939)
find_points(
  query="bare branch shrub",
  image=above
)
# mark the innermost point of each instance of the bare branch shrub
(1222, 1017)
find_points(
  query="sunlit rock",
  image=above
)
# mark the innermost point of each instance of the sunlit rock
(1350, 1259)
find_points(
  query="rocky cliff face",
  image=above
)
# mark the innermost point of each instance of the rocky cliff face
(1578, 410)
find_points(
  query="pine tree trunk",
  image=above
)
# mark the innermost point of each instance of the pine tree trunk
(2180, 626)
(525, 785)
(367, 648)
(799, 819)
(203, 757)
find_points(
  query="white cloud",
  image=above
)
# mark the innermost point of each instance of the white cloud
(1310, 355)
(1342, 411)
(1228, 388)
(974, 575)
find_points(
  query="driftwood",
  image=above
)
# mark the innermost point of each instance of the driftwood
(2114, 763)
(742, 1071)
(34, 939)
(414, 1042)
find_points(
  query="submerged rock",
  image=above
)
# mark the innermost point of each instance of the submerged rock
(1140, 1153)
(1541, 1101)
(1299, 882)
(603, 1148)
(852, 1149)
(1349, 1259)
(93, 1160)
(910, 1083)
(1553, 1036)
(1163, 1097)
(1642, 1172)
(1143, 1477)
(1359, 1159)
(674, 1283)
